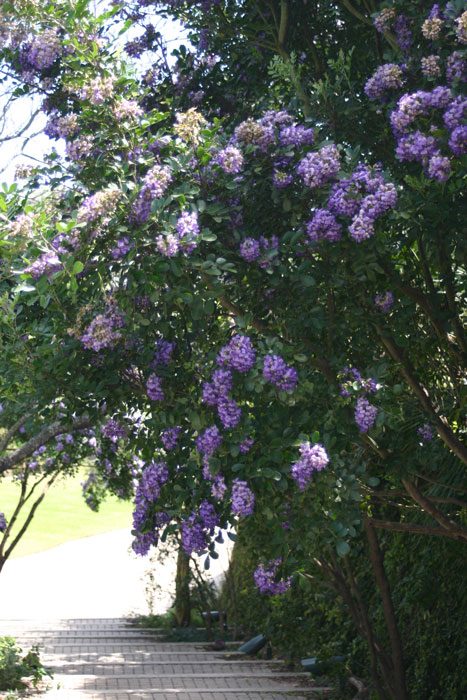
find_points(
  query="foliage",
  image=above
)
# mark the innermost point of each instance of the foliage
(16, 667)
(254, 308)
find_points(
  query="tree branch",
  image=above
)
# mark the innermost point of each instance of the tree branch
(416, 529)
(41, 438)
(442, 426)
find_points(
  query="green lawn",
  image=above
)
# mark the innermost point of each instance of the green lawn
(63, 515)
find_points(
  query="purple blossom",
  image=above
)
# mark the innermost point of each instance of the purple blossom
(386, 77)
(312, 458)
(104, 330)
(250, 249)
(44, 50)
(208, 515)
(168, 245)
(404, 37)
(230, 160)
(458, 141)
(277, 372)
(246, 445)
(365, 414)
(154, 388)
(323, 227)
(384, 19)
(153, 477)
(296, 135)
(455, 113)
(239, 354)
(265, 579)
(384, 302)
(3, 522)
(456, 68)
(229, 412)
(113, 430)
(194, 536)
(155, 184)
(188, 231)
(243, 498)
(426, 432)
(163, 352)
(169, 437)
(209, 441)
(281, 179)
(439, 167)
(218, 488)
(143, 542)
(46, 264)
(122, 247)
(220, 385)
(317, 168)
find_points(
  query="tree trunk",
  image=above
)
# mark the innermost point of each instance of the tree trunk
(182, 589)
(377, 561)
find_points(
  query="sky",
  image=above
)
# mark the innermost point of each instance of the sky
(14, 152)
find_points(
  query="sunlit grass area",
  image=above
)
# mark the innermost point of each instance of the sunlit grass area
(63, 515)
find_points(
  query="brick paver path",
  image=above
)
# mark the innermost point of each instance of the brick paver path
(110, 659)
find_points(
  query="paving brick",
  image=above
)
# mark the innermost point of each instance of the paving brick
(104, 659)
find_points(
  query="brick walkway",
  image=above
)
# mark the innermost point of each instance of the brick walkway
(109, 659)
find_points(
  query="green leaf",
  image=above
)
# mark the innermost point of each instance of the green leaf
(342, 548)
(78, 267)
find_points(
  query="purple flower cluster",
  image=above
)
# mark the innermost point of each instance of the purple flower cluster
(44, 50)
(319, 167)
(426, 432)
(154, 388)
(163, 352)
(238, 354)
(46, 264)
(246, 445)
(265, 578)
(209, 441)
(230, 160)
(404, 36)
(365, 414)
(264, 250)
(218, 487)
(194, 536)
(61, 127)
(100, 205)
(365, 196)
(169, 437)
(153, 477)
(313, 458)
(323, 227)
(104, 330)
(3, 522)
(384, 19)
(219, 386)
(353, 381)
(113, 430)
(387, 77)
(188, 231)
(296, 135)
(277, 372)
(250, 249)
(155, 184)
(456, 68)
(384, 302)
(417, 146)
(122, 247)
(243, 498)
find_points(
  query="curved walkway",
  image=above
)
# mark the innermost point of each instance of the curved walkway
(96, 576)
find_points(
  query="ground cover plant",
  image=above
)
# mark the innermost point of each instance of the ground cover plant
(243, 290)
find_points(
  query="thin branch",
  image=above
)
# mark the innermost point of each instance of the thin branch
(416, 529)
(442, 426)
(41, 438)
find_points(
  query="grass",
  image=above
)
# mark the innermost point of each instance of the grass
(63, 515)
